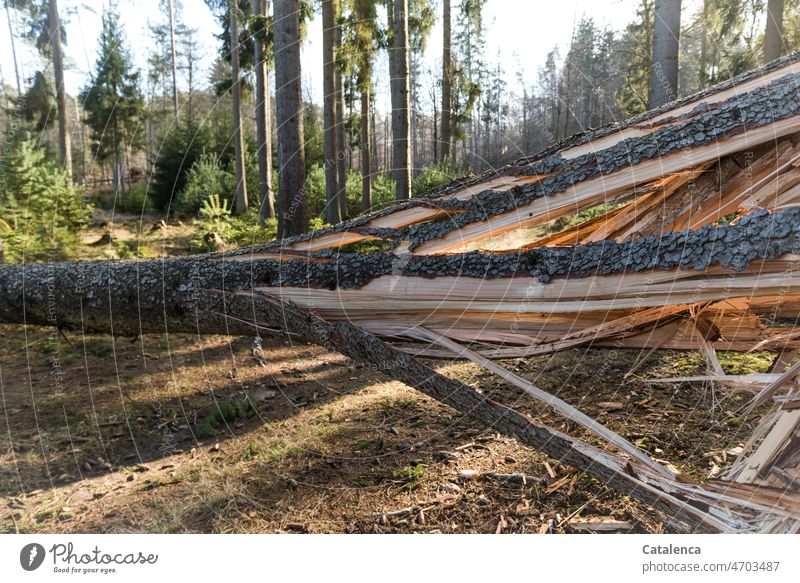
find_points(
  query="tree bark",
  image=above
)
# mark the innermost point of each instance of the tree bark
(13, 50)
(289, 119)
(172, 58)
(664, 69)
(240, 203)
(401, 135)
(263, 122)
(446, 81)
(61, 92)
(330, 103)
(773, 34)
(366, 141)
(341, 136)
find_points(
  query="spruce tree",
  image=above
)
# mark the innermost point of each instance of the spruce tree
(113, 100)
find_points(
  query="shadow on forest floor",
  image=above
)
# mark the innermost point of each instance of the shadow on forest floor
(186, 434)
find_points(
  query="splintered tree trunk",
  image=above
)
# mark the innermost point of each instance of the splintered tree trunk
(289, 118)
(658, 271)
(240, 205)
(773, 34)
(330, 102)
(220, 294)
(61, 92)
(664, 69)
(263, 123)
(401, 134)
(447, 64)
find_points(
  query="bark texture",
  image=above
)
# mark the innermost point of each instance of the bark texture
(263, 121)
(676, 134)
(330, 103)
(172, 59)
(61, 92)
(447, 65)
(240, 204)
(186, 294)
(401, 123)
(773, 33)
(289, 119)
(666, 35)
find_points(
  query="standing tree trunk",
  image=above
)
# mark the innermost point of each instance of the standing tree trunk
(366, 158)
(703, 74)
(266, 209)
(332, 209)
(172, 58)
(401, 137)
(447, 79)
(341, 139)
(240, 204)
(13, 50)
(664, 69)
(773, 34)
(61, 93)
(289, 119)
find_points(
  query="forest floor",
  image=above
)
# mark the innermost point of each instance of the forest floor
(191, 434)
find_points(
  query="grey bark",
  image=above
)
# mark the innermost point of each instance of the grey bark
(446, 80)
(172, 57)
(664, 68)
(366, 157)
(289, 119)
(240, 204)
(263, 123)
(329, 104)
(400, 90)
(61, 93)
(341, 138)
(773, 34)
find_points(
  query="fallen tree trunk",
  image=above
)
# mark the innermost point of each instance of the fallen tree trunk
(708, 165)
(182, 294)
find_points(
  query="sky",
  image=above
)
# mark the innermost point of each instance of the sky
(520, 32)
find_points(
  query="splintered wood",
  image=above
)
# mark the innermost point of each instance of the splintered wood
(706, 310)
(676, 229)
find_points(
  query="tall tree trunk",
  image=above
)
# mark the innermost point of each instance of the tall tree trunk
(366, 140)
(704, 44)
(172, 58)
(773, 34)
(266, 209)
(341, 138)
(447, 79)
(435, 125)
(240, 204)
(331, 150)
(13, 50)
(82, 136)
(401, 136)
(61, 93)
(289, 118)
(666, 35)
(374, 144)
